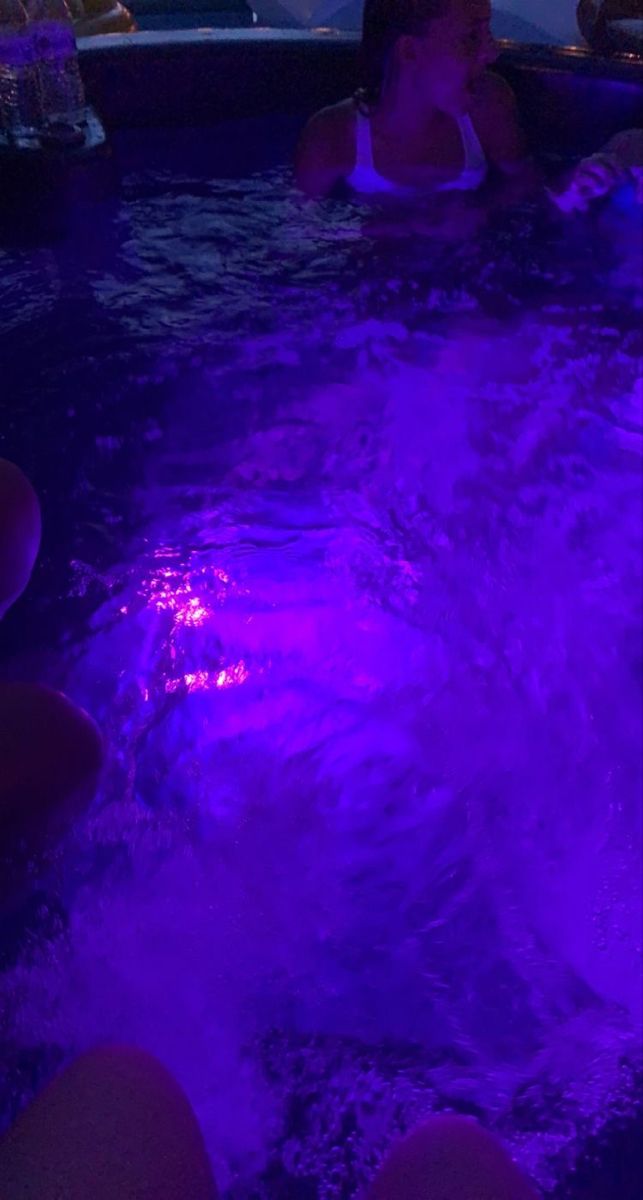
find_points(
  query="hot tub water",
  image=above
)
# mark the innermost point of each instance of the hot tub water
(349, 542)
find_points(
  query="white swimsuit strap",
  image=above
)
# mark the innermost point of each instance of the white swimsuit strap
(363, 142)
(474, 155)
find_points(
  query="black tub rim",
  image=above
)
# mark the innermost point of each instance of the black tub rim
(572, 99)
(579, 59)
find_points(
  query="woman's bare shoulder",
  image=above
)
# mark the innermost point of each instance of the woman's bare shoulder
(326, 148)
(492, 96)
(333, 124)
(495, 115)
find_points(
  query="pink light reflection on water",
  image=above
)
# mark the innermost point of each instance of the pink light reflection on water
(192, 612)
(172, 590)
(202, 680)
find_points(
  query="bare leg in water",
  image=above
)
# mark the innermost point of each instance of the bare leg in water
(51, 755)
(50, 751)
(19, 533)
(114, 1126)
(450, 1158)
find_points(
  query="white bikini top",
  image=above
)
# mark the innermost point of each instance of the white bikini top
(365, 179)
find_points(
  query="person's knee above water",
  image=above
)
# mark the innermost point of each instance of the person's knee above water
(51, 757)
(428, 115)
(450, 1158)
(114, 1125)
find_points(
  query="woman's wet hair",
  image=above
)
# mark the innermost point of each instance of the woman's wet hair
(383, 22)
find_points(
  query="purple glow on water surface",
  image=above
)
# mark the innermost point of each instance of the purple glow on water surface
(369, 671)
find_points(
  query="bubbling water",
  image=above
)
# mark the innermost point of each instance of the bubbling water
(369, 842)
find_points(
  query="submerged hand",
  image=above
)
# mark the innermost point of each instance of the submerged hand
(442, 218)
(456, 220)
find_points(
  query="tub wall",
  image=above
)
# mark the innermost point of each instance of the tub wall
(571, 100)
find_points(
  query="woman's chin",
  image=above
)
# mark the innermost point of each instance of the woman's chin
(460, 107)
(458, 103)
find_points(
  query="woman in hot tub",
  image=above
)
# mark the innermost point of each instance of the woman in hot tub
(429, 119)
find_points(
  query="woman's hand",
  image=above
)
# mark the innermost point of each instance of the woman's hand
(593, 178)
(627, 148)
